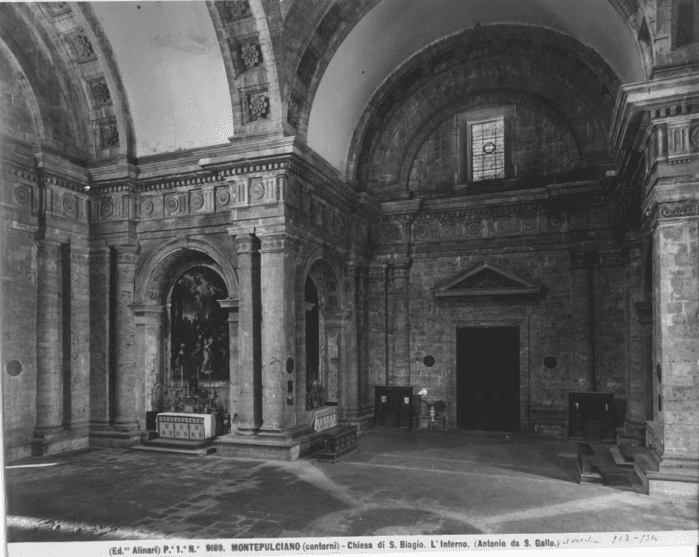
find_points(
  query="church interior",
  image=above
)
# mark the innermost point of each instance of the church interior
(270, 230)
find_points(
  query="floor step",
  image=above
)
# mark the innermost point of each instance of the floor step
(169, 450)
(176, 444)
(588, 473)
(624, 437)
(621, 457)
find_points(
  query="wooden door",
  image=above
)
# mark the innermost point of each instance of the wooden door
(487, 378)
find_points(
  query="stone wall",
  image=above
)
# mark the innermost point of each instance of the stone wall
(540, 147)
(536, 241)
(546, 329)
(19, 310)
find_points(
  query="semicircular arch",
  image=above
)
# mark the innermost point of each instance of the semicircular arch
(156, 276)
(326, 278)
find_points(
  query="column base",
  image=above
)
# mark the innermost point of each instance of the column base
(45, 444)
(671, 478)
(248, 430)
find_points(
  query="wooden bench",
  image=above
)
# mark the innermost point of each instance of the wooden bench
(339, 441)
(587, 472)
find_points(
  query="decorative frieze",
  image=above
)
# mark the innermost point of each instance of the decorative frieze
(70, 205)
(674, 210)
(277, 243)
(22, 195)
(258, 105)
(81, 46)
(482, 223)
(262, 190)
(58, 8)
(171, 204)
(232, 10)
(147, 207)
(250, 53)
(100, 91)
(107, 131)
(106, 208)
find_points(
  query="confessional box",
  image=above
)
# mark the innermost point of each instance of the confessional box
(393, 407)
(591, 416)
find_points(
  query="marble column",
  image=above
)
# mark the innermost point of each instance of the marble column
(400, 272)
(124, 365)
(676, 316)
(49, 372)
(278, 295)
(351, 381)
(150, 382)
(249, 348)
(100, 282)
(583, 316)
(79, 387)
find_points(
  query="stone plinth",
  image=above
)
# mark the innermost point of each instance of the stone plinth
(270, 447)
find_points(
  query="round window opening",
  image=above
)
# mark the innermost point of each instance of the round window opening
(429, 361)
(13, 368)
(489, 148)
(550, 362)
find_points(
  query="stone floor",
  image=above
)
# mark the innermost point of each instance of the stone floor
(397, 483)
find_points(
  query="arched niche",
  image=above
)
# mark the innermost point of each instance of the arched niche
(324, 336)
(199, 338)
(191, 299)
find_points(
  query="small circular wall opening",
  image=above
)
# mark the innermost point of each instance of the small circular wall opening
(550, 362)
(13, 368)
(429, 360)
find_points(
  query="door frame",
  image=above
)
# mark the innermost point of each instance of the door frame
(524, 380)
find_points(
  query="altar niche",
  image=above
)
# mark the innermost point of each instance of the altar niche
(199, 339)
(487, 378)
(324, 329)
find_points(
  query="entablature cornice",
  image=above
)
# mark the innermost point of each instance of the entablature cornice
(659, 118)
(469, 222)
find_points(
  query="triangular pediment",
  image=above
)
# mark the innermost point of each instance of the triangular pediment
(487, 279)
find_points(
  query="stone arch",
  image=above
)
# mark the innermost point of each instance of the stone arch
(331, 322)
(573, 75)
(71, 52)
(26, 95)
(154, 278)
(327, 280)
(241, 23)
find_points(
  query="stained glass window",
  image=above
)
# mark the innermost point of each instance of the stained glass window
(488, 150)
